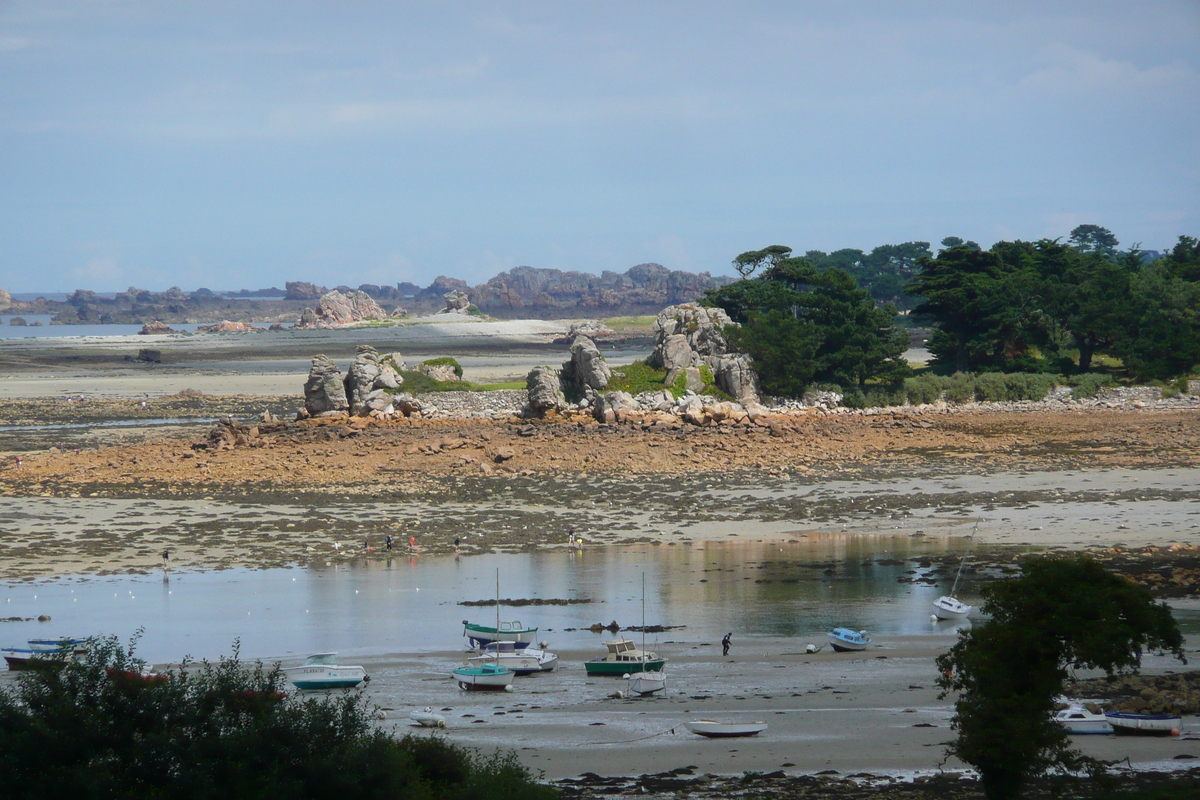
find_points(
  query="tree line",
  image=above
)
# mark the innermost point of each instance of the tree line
(1048, 306)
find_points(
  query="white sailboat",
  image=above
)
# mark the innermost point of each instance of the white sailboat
(490, 674)
(647, 683)
(949, 607)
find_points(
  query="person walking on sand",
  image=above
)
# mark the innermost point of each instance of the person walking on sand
(166, 558)
(412, 544)
(457, 545)
(725, 643)
(387, 542)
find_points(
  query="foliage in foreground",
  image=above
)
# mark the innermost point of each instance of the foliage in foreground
(1062, 613)
(100, 729)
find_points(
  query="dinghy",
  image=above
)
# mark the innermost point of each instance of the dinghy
(717, 730)
(427, 718)
(1128, 724)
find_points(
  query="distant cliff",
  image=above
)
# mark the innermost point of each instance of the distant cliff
(519, 292)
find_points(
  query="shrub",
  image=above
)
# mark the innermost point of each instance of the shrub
(960, 388)
(1089, 385)
(923, 389)
(220, 730)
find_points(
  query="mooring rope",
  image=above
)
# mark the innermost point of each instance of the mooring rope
(640, 738)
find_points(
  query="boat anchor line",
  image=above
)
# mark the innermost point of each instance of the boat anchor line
(670, 730)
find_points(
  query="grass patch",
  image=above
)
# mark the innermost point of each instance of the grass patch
(445, 361)
(620, 324)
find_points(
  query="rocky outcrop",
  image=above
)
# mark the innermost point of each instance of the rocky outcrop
(225, 326)
(688, 338)
(544, 391)
(439, 372)
(457, 302)
(5, 299)
(336, 309)
(586, 368)
(370, 384)
(324, 391)
(302, 290)
(399, 312)
(156, 328)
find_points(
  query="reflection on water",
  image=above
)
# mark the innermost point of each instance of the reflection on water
(400, 605)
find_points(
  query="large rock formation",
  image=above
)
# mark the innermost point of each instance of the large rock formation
(225, 326)
(324, 392)
(457, 302)
(336, 309)
(586, 368)
(544, 391)
(302, 290)
(689, 336)
(5, 299)
(370, 384)
(156, 328)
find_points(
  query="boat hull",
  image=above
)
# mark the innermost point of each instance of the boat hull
(480, 636)
(616, 669)
(1124, 724)
(316, 678)
(1080, 722)
(950, 608)
(428, 719)
(646, 683)
(484, 679)
(725, 730)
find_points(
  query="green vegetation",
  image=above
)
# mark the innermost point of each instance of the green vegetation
(621, 324)
(418, 383)
(445, 361)
(638, 377)
(1051, 307)
(102, 729)
(803, 325)
(1062, 613)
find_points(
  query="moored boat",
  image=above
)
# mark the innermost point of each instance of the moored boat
(948, 606)
(492, 677)
(44, 653)
(717, 730)
(321, 671)
(1078, 720)
(480, 636)
(623, 658)
(645, 683)
(522, 662)
(845, 640)
(1129, 724)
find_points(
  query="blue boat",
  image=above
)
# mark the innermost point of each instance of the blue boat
(844, 640)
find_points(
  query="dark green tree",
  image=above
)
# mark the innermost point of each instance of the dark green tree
(103, 729)
(958, 241)
(1159, 335)
(751, 260)
(1093, 239)
(1062, 613)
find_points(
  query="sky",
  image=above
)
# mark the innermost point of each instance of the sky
(242, 144)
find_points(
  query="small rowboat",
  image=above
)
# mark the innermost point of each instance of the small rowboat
(645, 683)
(426, 718)
(844, 640)
(1144, 724)
(716, 730)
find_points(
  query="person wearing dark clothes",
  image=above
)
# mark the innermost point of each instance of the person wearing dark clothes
(725, 643)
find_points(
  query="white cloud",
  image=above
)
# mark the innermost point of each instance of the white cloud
(1073, 72)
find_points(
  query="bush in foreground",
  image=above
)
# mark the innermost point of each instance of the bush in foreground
(101, 729)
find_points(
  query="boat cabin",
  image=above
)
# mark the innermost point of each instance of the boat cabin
(624, 650)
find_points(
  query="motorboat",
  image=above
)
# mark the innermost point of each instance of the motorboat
(1128, 724)
(845, 640)
(45, 653)
(717, 730)
(480, 636)
(624, 657)
(948, 606)
(428, 718)
(488, 676)
(646, 683)
(1078, 720)
(321, 671)
(523, 662)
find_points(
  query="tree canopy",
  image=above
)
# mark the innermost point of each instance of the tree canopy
(1062, 613)
(803, 325)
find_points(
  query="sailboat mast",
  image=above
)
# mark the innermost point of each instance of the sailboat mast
(961, 564)
(643, 617)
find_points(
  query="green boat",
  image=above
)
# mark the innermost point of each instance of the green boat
(623, 658)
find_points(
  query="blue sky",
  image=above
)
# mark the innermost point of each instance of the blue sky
(242, 144)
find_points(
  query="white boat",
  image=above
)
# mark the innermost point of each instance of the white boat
(522, 662)
(1144, 724)
(845, 640)
(489, 676)
(714, 729)
(949, 607)
(1078, 720)
(45, 653)
(321, 671)
(428, 718)
(645, 683)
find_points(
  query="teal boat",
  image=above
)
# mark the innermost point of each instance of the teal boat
(485, 676)
(623, 658)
